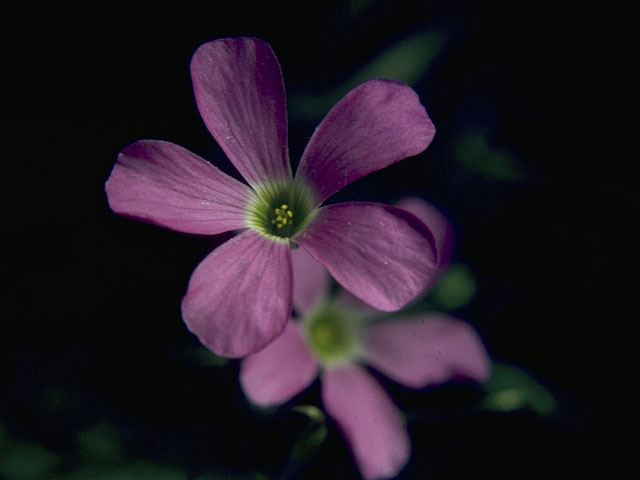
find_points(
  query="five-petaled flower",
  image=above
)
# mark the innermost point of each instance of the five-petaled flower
(239, 297)
(336, 336)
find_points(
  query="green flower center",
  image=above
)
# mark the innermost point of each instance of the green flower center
(280, 210)
(332, 334)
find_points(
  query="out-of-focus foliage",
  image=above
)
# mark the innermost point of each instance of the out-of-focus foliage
(209, 359)
(455, 289)
(311, 411)
(512, 389)
(405, 61)
(312, 436)
(26, 461)
(474, 152)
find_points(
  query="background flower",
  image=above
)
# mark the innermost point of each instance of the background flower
(239, 297)
(337, 337)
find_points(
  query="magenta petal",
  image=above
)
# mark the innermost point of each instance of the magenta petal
(280, 370)
(438, 224)
(239, 297)
(165, 184)
(426, 350)
(373, 126)
(239, 90)
(310, 280)
(370, 421)
(383, 255)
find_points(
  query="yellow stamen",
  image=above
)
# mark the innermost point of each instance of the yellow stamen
(284, 216)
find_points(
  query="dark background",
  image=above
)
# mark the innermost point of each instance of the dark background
(533, 105)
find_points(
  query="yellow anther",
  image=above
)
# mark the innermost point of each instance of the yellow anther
(283, 216)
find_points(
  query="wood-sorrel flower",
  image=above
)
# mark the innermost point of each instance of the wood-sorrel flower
(335, 337)
(239, 297)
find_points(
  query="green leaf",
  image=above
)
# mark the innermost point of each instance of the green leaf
(209, 359)
(474, 152)
(311, 411)
(405, 61)
(27, 461)
(510, 388)
(312, 436)
(308, 443)
(455, 289)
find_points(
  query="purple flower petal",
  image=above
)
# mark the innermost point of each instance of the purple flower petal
(383, 255)
(239, 90)
(369, 420)
(165, 184)
(310, 280)
(239, 297)
(438, 224)
(375, 125)
(280, 370)
(426, 350)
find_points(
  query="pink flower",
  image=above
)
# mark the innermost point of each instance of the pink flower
(239, 297)
(335, 338)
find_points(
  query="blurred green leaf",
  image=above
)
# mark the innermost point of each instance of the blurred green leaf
(474, 152)
(308, 443)
(100, 442)
(209, 359)
(133, 471)
(27, 461)
(312, 436)
(455, 289)
(510, 388)
(405, 61)
(311, 411)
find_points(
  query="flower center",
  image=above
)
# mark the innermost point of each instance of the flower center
(284, 216)
(280, 210)
(332, 334)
